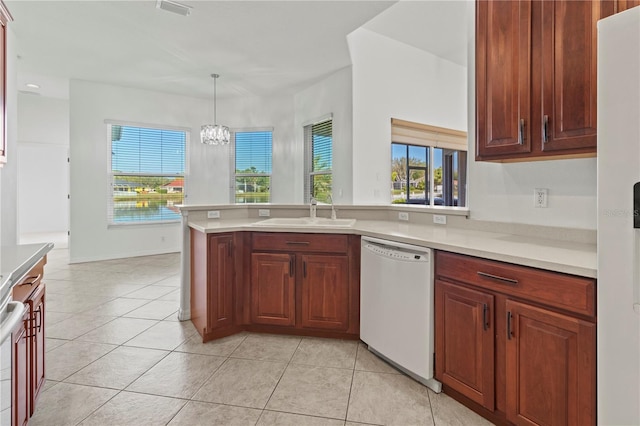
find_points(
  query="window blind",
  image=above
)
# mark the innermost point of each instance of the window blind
(253, 152)
(146, 174)
(318, 160)
(411, 133)
(252, 166)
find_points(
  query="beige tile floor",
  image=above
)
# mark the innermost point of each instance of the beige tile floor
(117, 355)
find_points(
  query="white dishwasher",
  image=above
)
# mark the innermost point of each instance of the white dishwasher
(396, 306)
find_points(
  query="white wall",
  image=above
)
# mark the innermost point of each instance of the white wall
(504, 192)
(395, 80)
(208, 170)
(331, 95)
(43, 171)
(9, 173)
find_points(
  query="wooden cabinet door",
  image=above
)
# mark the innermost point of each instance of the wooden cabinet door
(550, 367)
(569, 62)
(464, 341)
(325, 292)
(503, 77)
(37, 334)
(21, 384)
(220, 281)
(273, 289)
(627, 4)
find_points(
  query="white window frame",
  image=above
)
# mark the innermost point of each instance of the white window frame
(308, 158)
(110, 174)
(232, 163)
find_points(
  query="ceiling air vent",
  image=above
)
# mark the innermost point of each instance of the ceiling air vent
(174, 6)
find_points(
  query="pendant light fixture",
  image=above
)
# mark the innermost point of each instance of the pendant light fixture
(214, 134)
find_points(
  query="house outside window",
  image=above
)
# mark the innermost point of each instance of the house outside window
(252, 158)
(146, 174)
(428, 165)
(318, 147)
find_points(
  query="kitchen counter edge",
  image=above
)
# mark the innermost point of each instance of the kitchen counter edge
(553, 255)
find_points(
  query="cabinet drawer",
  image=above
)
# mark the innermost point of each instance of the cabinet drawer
(30, 282)
(567, 292)
(299, 242)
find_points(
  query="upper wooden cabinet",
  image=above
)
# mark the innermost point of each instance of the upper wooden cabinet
(536, 78)
(626, 4)
(5, 18)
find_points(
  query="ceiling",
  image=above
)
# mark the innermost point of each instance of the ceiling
(259, 48)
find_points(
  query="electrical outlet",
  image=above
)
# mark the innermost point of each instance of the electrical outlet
(213, 214)
(440, 219)
(264, 212)
(540, 197)
(403, 216)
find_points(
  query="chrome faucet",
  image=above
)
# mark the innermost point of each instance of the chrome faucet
(333, 210)
(312, 208)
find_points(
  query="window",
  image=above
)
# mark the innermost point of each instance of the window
(428, 165)
(146, 174)
(252, 166)
(318, 146)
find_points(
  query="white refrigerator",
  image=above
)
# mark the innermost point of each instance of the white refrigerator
(618, 240)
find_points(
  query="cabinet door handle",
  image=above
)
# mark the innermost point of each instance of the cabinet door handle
(545, 128)
(485, 317)
(498, 278)
(304, 268)
(521, 132)
(229, 244)
(31, 280)
(290, 266)
(38, 318)
(297, 243)
(508, 325)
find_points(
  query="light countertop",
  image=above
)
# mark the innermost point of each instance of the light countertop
(554, 255)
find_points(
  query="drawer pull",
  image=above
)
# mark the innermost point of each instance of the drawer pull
(485, 317)
(498, 278)
(297, 243)
(508, 325)
(31, 280)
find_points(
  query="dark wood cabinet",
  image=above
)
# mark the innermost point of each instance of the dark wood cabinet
(465, 341)
(5, 18)
(21, 362)
(276, 282)
(516, 344)
(212, 282)
(536, 78)
(273, 289)
(325, 291)
(549, 367)
(37, 326)
(623, 5)
(306, 282)
(29, 344)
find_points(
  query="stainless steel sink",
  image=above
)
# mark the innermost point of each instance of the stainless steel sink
(307, 222)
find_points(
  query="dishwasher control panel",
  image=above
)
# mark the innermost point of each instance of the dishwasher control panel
(396, 253)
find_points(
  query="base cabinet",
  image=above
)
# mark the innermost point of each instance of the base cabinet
(516, 344)
(29, 345)
(289, 283)
(212, 282)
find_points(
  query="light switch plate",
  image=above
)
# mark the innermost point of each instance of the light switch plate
(264, 212)
(213, 214)
(540, 197)
(403, 215)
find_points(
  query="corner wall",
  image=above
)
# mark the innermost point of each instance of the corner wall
(333, 95)
(395, 80)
